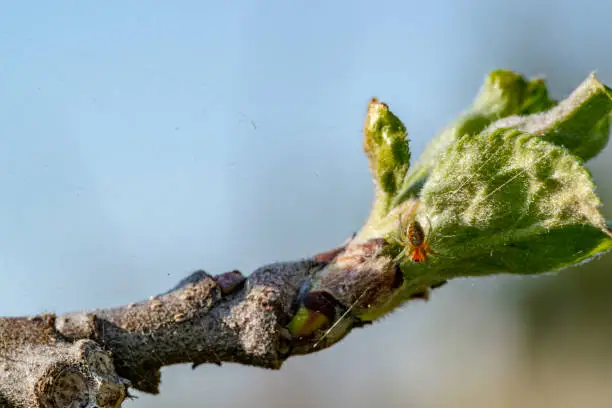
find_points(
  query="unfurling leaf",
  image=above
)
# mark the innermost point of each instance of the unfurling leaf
(510, 202)
(488, 196)
(386, 146)
(504, 93)
(581, 122)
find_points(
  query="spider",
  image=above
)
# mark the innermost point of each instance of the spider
(414, 241)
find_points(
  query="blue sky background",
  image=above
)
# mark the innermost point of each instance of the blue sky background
(143, 140)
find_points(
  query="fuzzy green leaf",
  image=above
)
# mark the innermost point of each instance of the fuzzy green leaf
(581, 122)
(509, 202)
(386, 146)
(504, 93)
(496, 196)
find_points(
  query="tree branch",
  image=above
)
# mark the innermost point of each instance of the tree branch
(204, 319)
(495, 198)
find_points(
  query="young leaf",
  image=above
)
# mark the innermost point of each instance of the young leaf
(509, 202)
(386, 146)
(581, 122)
(504, 93)
(493, 199)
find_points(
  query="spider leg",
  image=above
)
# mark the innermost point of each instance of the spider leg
(428, 249)
(396, 240)
(400, 255)
(428, 226)
(401, 229)
(414, 207)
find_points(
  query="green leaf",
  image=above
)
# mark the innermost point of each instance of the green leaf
(496, 196)
(581, 122)
(536, 98)
(508, 202)
(386, 146)
(504, 93)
